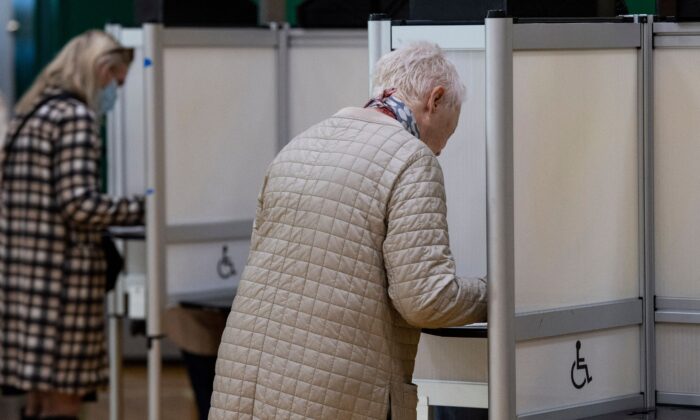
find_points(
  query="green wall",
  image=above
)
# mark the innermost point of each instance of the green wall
(47, 25)
(641, 7)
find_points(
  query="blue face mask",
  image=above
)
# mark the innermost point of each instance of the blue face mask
(108, 96)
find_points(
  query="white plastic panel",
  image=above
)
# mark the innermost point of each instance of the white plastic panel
(544, 369)
(129, 175)
(452, 359)
(576, 220)
(464, 166)
(676, 175)
(463, 163)
(322, 80)
(193, 267)
(135, 257)
(220, 131)
(134, 173)
(677, 362)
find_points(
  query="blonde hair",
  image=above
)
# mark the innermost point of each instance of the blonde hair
(415, 70)
(75, 68)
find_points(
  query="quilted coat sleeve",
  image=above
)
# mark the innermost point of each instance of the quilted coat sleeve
(422, 282)
(76, 176)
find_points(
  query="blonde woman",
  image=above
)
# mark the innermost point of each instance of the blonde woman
(52, 214)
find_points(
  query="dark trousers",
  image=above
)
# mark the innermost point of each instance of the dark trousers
(200, 369)
(459, 413)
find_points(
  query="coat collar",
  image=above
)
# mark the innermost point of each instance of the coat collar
(368, 115)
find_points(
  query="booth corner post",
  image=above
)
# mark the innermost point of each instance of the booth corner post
(379, 40)
(283, 83)
(155, 209)
(646, 170)
(115, 298)
(500, 215)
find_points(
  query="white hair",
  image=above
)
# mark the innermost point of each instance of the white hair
(415, 70)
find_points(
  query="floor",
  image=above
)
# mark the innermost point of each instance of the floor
(177, 398)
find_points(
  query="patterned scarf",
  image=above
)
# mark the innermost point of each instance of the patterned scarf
(391, 106)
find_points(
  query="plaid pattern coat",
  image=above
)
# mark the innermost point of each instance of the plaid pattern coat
(52, 267)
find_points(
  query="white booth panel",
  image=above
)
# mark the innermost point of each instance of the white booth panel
(677, 361)
(322, 80)
(464, 166)
(676, 175)
(544, 369)
(133, 173)
(575, 152)
(452, 359)
(193, 268)
(135, 257)
(220, 131)
(127, 144)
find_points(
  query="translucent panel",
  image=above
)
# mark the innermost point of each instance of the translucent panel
(220, 131)
(547, 374)
(194, 267)
(452, 359)
(677, 362)
(133, 174)
(135, 257)
(464, 165)
(575, 134)
(324, 80)
(676, 175)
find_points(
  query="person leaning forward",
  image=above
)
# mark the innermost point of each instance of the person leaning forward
(350, 258)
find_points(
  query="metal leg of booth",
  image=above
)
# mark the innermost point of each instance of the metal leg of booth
(423, 410)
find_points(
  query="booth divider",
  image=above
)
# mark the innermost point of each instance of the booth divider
(676, 201)
(608, 317)
(195, 126)
(589, 208)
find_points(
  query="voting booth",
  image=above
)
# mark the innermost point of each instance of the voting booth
(676, 103)
(550, 154)
(201, 115)
(570, 184)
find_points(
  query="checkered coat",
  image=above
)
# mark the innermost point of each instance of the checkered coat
(349, 258)
(52, 267)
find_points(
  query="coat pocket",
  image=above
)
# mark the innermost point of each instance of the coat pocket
(404, 400)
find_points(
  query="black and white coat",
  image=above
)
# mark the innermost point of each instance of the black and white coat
(52, 267)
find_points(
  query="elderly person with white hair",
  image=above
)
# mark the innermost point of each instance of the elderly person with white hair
(350, 258)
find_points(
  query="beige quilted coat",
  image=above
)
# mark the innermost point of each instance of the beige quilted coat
(350, 257)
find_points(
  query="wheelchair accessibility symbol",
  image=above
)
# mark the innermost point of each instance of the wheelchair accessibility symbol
(578, 365)
(225, 266)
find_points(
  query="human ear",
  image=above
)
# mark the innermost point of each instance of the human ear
(104, 74)
(436, 98)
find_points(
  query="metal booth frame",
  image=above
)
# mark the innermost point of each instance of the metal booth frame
(499, 37)
(676, 310)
